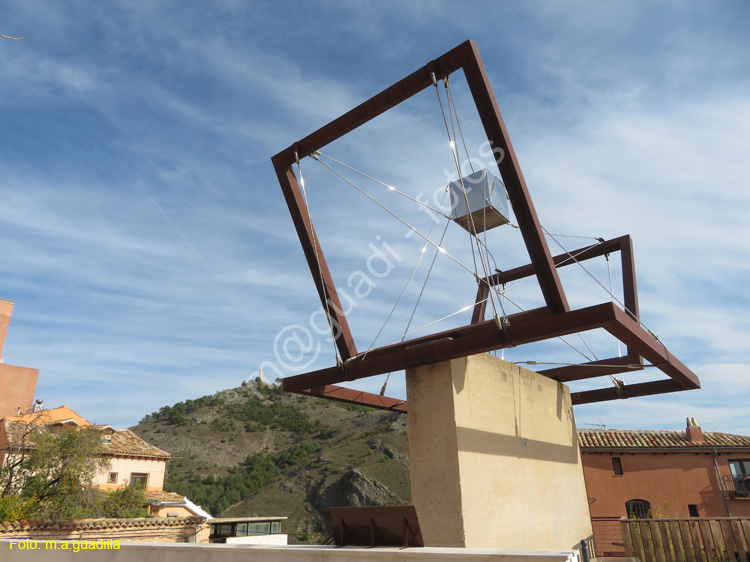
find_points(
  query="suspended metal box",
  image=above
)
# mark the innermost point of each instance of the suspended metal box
(487, 202)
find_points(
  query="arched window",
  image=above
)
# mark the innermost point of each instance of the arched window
(638, 509)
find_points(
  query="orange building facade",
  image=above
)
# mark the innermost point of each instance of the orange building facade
(18, 384)
(651, 473)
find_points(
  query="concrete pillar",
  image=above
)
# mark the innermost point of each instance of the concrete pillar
(494, 457)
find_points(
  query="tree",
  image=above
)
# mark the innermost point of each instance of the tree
(48, 475)
(61, 469)
(127, 501)
(22, 439)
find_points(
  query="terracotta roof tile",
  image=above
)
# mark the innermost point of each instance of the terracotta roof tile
(160, 496)
(78, 524)
(125, 443)
(656, 439)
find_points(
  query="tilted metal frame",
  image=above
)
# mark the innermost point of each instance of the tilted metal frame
(553, 320)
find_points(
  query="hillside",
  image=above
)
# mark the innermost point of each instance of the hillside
(256, 450)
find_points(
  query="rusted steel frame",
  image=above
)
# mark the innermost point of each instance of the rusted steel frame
(463, 56)
(622, 244)
(460, 342)
(378, 104)
(594, 369)
(480, 303)
(314, 255)
(564, 260)
(485, 337)
(626, 391)
(646, 345)
(298, 209)
(515, 184)
(350, 396)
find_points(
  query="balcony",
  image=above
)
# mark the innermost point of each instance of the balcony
(741, 488)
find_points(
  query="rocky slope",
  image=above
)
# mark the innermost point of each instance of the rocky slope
(255, 450)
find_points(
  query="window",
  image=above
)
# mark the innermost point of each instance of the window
(617, 466)
(693, 510)
(112, 478)
(139, 478)
(275, 527)
(259, 528)
(638, 509)
(741, 476)
(223, 530)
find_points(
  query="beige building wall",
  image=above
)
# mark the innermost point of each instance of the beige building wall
(494, 457)
(125, 467)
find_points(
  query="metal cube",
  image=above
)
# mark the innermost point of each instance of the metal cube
(487, 203)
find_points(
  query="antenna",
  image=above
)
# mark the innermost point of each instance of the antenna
(599, 425)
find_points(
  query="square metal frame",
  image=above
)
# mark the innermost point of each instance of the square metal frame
(554, 319)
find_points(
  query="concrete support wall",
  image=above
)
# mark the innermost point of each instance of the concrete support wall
(494, 457)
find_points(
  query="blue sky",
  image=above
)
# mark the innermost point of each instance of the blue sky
(151, 256)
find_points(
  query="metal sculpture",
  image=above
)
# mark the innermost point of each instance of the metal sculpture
(550, 321)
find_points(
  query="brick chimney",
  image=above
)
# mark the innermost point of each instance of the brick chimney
(694, 433)
(6, 309)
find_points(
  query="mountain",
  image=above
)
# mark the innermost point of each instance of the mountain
(258, 451)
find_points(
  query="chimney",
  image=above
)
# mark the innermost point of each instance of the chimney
(694, 433)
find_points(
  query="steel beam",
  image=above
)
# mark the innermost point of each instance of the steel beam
(350, 396)
(316, 261)
(594, 369)
(486, 336)
(646, 345)
(626, 391)
(515, 184)
(459, 342)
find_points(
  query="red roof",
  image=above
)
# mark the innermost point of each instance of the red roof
(606, 439)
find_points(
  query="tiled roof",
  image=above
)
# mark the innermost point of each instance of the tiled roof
(122, 442)
(47, 417)
(84, 524)
(125, 443)
(160, 496)
(656, 439)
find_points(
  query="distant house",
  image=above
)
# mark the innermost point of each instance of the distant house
(132, 460)
(655, 473)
